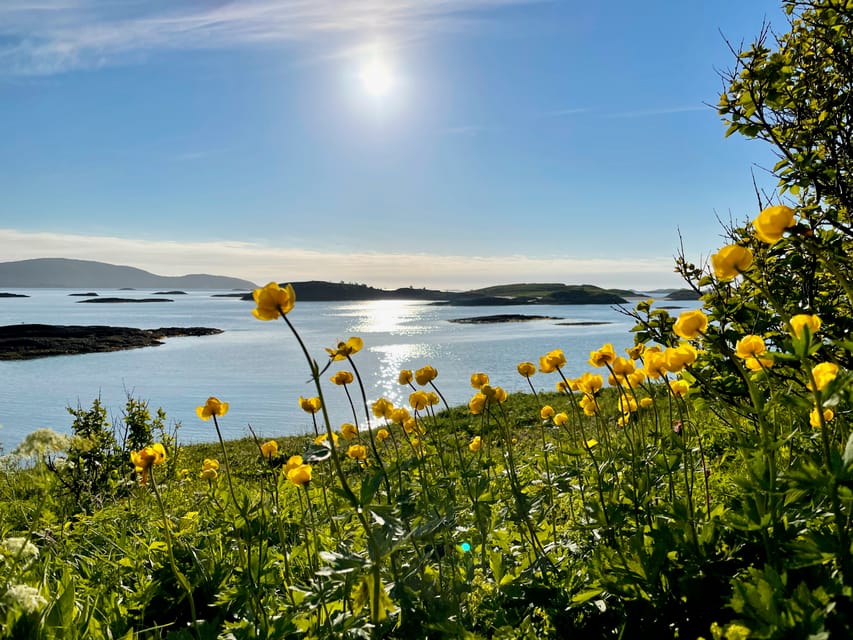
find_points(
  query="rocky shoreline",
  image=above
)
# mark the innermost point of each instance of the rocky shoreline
(27, 341)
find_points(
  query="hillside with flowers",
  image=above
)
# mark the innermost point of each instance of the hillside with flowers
(697, 485)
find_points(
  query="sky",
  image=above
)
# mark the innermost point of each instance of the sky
(446, 144)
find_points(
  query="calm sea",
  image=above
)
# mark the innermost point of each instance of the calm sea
(257, 368)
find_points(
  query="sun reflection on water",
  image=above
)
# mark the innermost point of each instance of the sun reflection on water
(395, 317)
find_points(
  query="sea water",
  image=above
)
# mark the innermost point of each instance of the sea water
(258, 368)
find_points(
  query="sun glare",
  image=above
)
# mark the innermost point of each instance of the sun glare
(376, 78)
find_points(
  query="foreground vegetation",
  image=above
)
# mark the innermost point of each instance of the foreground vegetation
(699, 485)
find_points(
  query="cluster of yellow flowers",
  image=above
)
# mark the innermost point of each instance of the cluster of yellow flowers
(770, 225)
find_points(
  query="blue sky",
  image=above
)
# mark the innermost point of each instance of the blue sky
(438, 143)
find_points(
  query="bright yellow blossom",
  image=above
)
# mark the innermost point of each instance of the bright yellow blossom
(300, 475)
(479, 379)
(655, 364)
(814, 417)
(824, 373)
(771, 223)
(342, 377)
(425, 375)
(310, 405)
(622, 366)
(552, 361)
(324, 437)
(561, 418)
(477, 403)
(604, 355)
(349, 431)
(690, 324)
(382, 408)
(750, 346)
(146, 457)
(209, 469)
(400, 414)
(273, 301)
(679, 387)
(405, 376)
(383, 434)
(589, 383)
(419, 400)
(677, 358)
(636, 352)
(475, 444)
(645, 403)
(802, 322)
(547, 412)
(345, 349)
(526, 369)
(213, 407)
(269, 449)
(730, 261)
(357, 452)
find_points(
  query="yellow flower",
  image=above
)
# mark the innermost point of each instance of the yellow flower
(475, 444)
(677, 358)
(477, 403)
(209, 469)
(324, 437)
(679, 388)
(273, 301)
(292, 463)
(590, 383)
(627, 404)
(602, 356)
(479, 379)
(591, 443)
(563, 387)
(345, 349)
(500, 395)
(419, 400)
(622, 366)
(425, 375)
(772, 222)
(213, 407)
(400, 414)
(310, 405)
(146, 457)
(341, 378)
(636, 352)
(405, 376)
(690, 324)
(383, 434)
(561, 418)
(824, 373)
(349, 431)
(300, 475)
(547, 412)
(750, 346)
(269, 449)
(552, 361)
(655, 364)
(357, 452)
(432, 398)
(526, 369)
(731, 261)
(814, 417)
(589, 405)
(802, 322)
(645, 403)
(382, 408)
(636, 378)
(410, 425)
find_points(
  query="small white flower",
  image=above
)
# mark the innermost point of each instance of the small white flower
(26, 597)
(19, 549)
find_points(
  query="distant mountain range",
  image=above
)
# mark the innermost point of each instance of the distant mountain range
(64, 273)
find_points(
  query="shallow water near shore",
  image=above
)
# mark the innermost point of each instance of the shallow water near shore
(258, 368)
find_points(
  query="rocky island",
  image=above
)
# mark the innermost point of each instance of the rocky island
(27, 341)
(500, 317)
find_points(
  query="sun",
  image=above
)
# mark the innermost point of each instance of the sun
(376, 78)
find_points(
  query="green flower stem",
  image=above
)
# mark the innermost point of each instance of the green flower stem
(179, 576)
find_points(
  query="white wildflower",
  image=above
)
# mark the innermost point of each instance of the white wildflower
(26, 597)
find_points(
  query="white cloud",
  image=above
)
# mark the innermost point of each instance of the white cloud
(54, 36)
(261, 264)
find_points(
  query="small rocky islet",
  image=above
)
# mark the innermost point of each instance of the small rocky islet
(28, 341)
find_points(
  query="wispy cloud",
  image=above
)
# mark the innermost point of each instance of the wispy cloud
(658, 111)
(264, 263)
(50, 36)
